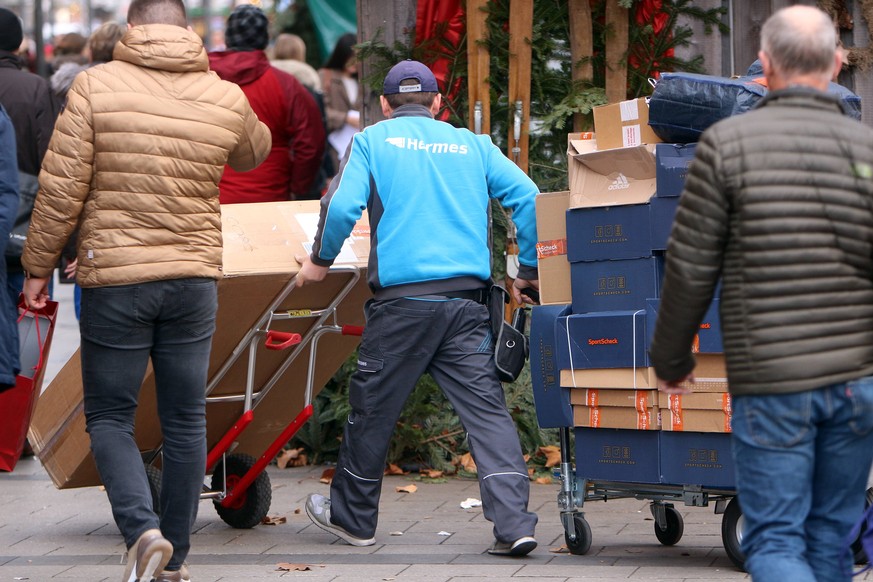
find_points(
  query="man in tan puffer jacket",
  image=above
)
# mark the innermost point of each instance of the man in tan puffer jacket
(135, 162)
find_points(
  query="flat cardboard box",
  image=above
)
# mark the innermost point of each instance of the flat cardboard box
(604, 339)
(608, 454)
(609, 177)
(624, 124)
(695, 420)
(607, 397)
(552, 263)
(615, 285)
(615, 417)
(697, 401)
(695, 458)
(607, 233)
(710, 376)
(260, 241)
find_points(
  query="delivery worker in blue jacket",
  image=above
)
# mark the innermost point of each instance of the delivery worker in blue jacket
(427, 187)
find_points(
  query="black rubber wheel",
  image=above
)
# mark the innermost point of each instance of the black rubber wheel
(732, 533)
(154, 477)
(582, 543)
(857, 549)
(675, 527)
(250, 508)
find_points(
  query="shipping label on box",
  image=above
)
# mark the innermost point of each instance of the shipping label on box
(688, 458)
(552, 263)
(708, 339)
(616, 417)
(710, 376)
(672, 161)
(617, 455)
(624, 124)
(663, 212)
(609, 232)
(624, 284)
(609, 339)
(609, 177)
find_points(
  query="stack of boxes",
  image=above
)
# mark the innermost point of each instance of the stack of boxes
(601, 259)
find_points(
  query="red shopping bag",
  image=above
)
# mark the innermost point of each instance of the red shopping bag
(35, 330)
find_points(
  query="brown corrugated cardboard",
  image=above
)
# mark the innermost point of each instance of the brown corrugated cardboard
(697, 401)
(553, 267)
(710, 376)
(615, 417)
(600, 397)
(624, 124)
(609, 177)
(695, 420)
(260, 241)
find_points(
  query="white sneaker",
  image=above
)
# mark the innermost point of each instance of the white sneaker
(318, 510)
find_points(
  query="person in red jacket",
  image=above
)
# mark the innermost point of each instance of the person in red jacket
(280, 102)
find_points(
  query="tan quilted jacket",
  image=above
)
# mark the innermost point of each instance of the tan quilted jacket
(135, 161)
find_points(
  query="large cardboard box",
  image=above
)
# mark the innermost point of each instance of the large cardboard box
(624, 124)
(604, 233)
(606, 339)
(672, 160)
(693, 458)
(708, 339)
(662, 214)
(552, 263)
(609, 177)
(600, 397)
(552, 402)
(615, 417)
(260, 242)
(690, 420)
(606, 454)
(710, 376)
(615, 285)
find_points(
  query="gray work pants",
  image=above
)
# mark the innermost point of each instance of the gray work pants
(451, 340)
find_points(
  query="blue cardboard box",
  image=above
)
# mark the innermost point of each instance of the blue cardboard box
(614, 454)
(608, 339)
(708, 339)
(609, 232)
(663, 211)
(551, 401)
(671, 167)
(624, 284)
(696, 458)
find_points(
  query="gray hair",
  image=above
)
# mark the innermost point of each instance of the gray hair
(800, 40)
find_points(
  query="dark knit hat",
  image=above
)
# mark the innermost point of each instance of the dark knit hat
(247, 29)
(11, 33)
(409, 69)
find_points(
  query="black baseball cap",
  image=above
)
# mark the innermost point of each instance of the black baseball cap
(409, 69)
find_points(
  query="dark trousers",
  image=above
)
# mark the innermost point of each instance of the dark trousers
(172, 323)
(450, 339)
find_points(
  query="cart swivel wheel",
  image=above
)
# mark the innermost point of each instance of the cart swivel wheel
(582, 543)
(154, 476)
(732, 533)
(250, 508)
(671, 535)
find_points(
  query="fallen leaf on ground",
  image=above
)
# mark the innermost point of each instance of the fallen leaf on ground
(543, 480)
(560, 550)
(530, 472)
(553, 455)
(287, 567)
(433, 474)
(467, 463)
(470, 502)
(327, 476)
(394, 470)
(411, 488)
(274, 520)
(288, 457)
(297, 511)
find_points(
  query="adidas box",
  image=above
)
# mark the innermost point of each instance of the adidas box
(609, 177)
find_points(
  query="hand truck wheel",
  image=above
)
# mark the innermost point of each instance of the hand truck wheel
(154, 476)
(582, 530)
(674, 527)
(250, 508)
(857, 549)
(732, 533)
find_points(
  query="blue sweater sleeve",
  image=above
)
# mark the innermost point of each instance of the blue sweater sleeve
(516, 191)
(343, 204)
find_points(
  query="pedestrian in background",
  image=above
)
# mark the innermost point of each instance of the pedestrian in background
(28, 102)
(135, 162)
(289, 55)
(342, 97)
(69, 48)
(281, 102)
(413, 172)
(9, 364)
(779, 203)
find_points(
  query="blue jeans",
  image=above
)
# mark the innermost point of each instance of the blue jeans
(802, 461)
(172, 323)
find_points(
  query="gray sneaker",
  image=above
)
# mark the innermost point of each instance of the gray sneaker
(520, 547)
(180, 575)
(318, 510)
(147, 556)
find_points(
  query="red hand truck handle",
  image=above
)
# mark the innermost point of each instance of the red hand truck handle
(281, 340)
(353, 330)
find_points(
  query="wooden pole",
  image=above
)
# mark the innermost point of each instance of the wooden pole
(520, 32)
(478, 68)
(616, 52)
(581, 48)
